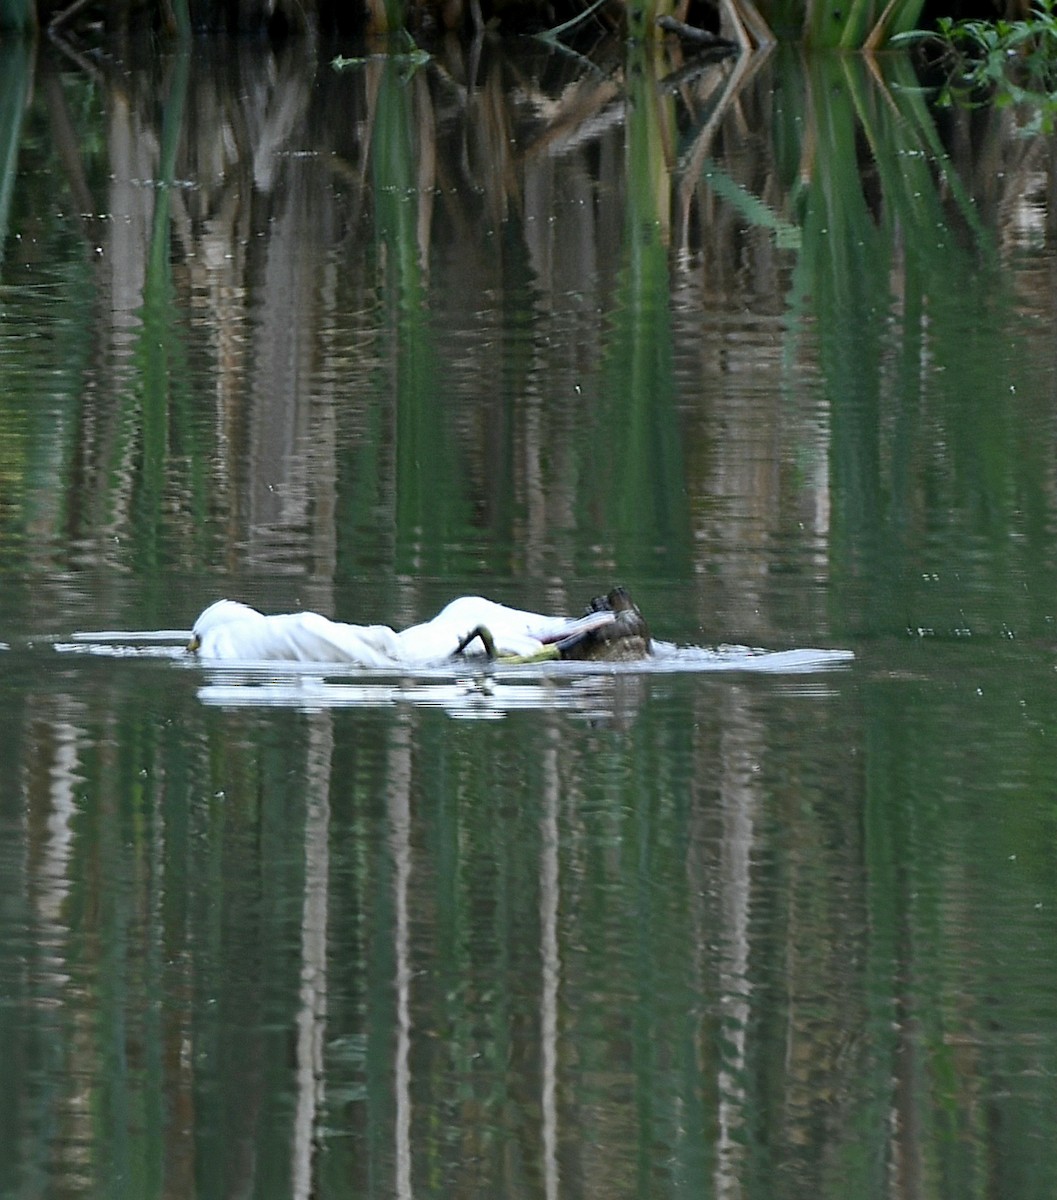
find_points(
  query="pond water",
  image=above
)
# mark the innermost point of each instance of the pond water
(770, 342)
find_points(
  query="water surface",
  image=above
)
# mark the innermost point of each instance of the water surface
(767, 342)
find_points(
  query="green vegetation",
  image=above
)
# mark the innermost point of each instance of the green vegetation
(998, 62)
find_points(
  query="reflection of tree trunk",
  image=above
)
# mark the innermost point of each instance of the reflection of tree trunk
(907, 1125)
(108, 448)
(536, 537)
(53, 777)
(400, 848)
(312, 1014)
(53, 871)
(728, 78)
(738, 803)
(426, 175)
(133, 147)
(283, 361)
(67, 143)
(551, 966)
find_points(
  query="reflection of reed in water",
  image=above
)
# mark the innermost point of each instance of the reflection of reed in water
(425, 330)
(315, 307)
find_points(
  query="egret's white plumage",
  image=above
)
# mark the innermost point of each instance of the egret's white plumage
(229, 630)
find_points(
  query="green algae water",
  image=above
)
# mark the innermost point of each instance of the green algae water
(769, 343)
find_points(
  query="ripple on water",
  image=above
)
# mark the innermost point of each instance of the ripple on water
(462, 689)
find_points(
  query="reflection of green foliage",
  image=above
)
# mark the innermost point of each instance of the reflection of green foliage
(786, 234)
(36, 419)
(409, 58)
(816, 877)
(892, 368)
(645, 490)
(159, 412)
(15, 73)
(147, 432)
(429, 501)
(17, 16)
(843, 24)
(14, 81)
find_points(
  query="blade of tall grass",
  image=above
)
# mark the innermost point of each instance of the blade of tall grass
(898, 16)
(859, 21)
(554, 34)
(823, 24)
(642, 17)
(752, 30)
(833, 24)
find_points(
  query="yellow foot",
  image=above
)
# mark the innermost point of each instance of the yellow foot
(547, 654)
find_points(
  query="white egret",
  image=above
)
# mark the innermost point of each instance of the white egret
(234, 631)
